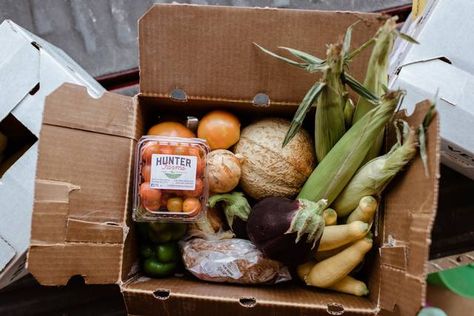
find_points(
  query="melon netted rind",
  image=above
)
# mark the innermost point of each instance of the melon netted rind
(267, 168)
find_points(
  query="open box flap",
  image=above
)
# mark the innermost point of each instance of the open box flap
(18, 68)
(82, 186)
(207, 51)
(7, 253)
(410, 209)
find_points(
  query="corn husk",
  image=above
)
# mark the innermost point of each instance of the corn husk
(329, 119)
(349, 109)
(376, 78)
(377, 73)
(325, 94)
(333, 173)
(374, 176)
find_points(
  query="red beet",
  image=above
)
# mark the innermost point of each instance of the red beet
(286, 230)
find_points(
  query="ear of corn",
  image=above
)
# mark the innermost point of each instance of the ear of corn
(374, 176)
(377, 76)
(333, 173)
(329, 120)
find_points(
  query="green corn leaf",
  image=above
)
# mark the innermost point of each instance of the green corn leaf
(430, 114)
(346, 44)
(423, 154)
(302, 110)
(310, 59)
(287, 60)
(407, 37)
(358, 50)
(360, 89)
(316, 67)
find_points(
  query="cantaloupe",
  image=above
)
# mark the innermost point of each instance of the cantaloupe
(267, 168)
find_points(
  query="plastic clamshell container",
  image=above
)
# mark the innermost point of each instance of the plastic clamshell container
(170, 179)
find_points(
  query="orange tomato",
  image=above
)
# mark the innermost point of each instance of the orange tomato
(181, 150)
(150, 197)
(200, 167)
(191, 205)
(155, 148)
(175, 204)
(146, 172)
(165, 150)
(220, 129)
(194, 151)
(148, 150)
(173, 129)
(201, 164)
(197, 189)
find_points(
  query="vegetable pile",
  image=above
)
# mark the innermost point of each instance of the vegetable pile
(280, 197)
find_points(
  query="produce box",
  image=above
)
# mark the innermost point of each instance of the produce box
(30, 69)
(82, 223)
(441, 62)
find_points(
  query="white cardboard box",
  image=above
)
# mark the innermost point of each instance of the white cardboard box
(25, 62)
(442, 62)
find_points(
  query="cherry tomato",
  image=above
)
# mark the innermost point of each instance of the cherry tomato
(155, 148)
(194, 151)
(201, 164)
(220, 129)
(148, 150)
(146, 172)
(200, 167)
(197, 189)
(165, 150)
(165, 195)
(191, 205)
(175, 204)
(173, 129)
(150, 197)
(181, 150)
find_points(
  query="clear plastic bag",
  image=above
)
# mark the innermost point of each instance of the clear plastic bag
(231, 260)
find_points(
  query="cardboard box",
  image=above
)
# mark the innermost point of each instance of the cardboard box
(82, 213)
(455, 92)
(442, 62)
(30, 69)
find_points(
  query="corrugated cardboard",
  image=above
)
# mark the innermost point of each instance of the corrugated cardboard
(82, 189)
(30, 69)
(442, 62)
(396, 284)
(207, 51)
